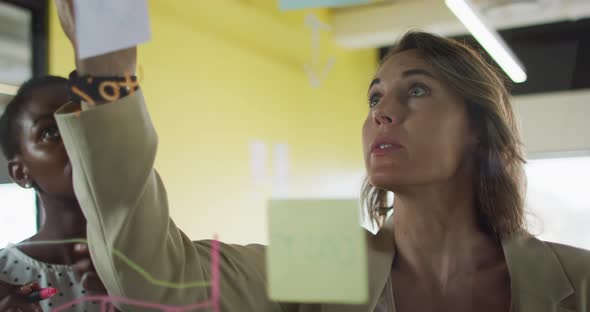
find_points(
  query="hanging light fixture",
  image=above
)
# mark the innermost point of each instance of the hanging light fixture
(489, 39)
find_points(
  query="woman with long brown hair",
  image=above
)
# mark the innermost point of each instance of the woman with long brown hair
(440, 134)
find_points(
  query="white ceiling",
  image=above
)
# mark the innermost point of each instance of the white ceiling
(381, 24)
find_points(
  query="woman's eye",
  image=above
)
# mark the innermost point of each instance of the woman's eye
(51, 133)
(374, 100)
(418, 91)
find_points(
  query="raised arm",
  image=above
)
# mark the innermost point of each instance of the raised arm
(138, 251)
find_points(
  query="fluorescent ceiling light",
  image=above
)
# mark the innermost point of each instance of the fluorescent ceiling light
(488, 38)
(8, 89)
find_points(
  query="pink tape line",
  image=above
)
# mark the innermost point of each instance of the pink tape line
(212, 303)
(215, 289)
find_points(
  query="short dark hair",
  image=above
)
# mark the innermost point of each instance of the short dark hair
(9, 127)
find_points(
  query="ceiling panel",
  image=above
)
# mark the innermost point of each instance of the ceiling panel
(381, 25)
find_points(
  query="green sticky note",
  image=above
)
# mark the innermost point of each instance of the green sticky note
(317, 252)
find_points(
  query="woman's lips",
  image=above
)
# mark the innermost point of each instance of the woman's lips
(384, 149)
(384, 145)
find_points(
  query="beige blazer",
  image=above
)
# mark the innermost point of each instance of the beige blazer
(112, 150)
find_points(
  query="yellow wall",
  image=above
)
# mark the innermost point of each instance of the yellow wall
(221, 73)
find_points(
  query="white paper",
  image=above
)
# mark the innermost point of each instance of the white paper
(281, 170)
(258, 159)
(104, 26)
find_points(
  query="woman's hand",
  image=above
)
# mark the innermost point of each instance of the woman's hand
(13, 298)
(84, 267)
(116, 63)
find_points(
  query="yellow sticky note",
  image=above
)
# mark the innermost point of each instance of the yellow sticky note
(317, 252)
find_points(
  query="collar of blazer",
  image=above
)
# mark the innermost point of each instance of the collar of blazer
(538, 281)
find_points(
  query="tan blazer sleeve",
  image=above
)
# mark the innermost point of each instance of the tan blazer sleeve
(137, 249)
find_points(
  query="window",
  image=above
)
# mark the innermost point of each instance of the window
(23, 52)
(558, 201)
(18, 214)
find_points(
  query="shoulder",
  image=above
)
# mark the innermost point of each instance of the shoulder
(6, 256)
(12, 267)
(575, 261)
(13, 260)
(3, 259)
(540, 262)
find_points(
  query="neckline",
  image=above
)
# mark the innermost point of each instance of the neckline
(511, 308)
(391, 296)
(12, 248)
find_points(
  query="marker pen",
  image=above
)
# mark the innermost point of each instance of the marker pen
(41, 294)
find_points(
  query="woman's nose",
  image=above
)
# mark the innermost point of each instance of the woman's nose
(382, 117)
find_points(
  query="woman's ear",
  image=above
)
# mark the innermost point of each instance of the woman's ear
(19, 172)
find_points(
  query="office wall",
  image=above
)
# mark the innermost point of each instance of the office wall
(220, 75)
(554, 124)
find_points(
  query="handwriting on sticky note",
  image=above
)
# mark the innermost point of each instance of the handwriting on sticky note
(317, 248)
(104, 26)
(317, 252)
